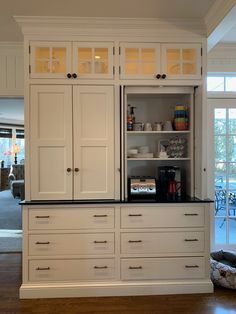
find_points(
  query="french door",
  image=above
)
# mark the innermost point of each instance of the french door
(223, 146)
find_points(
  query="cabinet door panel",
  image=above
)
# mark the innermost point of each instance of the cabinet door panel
(93, 142)
(51, 142)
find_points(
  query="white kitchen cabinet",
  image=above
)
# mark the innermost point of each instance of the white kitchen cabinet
(71, 60)
(72, 142)
(153, 105)
(11, 70)
(160, 61)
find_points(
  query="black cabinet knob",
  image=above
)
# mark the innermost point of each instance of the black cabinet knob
(68, 169)
(76, 169)
(163, 76)
(158, 76)
(74, 75)
(68, 75)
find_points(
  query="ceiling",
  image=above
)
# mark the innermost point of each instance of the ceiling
(11, 111)
(10, 31)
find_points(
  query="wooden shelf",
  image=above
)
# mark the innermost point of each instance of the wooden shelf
(157, 132)
(159, 158)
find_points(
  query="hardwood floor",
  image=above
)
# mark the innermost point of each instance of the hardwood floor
(222, 301)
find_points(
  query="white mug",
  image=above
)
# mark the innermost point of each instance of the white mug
(147, 126)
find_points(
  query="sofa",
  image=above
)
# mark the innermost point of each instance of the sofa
(16, 181)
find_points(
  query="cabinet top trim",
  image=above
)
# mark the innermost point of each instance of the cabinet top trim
(31, 25)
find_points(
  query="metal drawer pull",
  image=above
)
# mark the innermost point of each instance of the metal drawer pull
(193, 214)
(191, 266)
(100, 241)
(42, 216)
(100, 216)
(135, 241)
(100, 267)
(43, 268)
(135, 215)
(135, 267)
(38, 242)
(191, 240)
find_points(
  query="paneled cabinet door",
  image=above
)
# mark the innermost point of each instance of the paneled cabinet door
(139, 60)
(181, 61)
(93, 112)
(93, 60)
(51, 142)
(50, 59)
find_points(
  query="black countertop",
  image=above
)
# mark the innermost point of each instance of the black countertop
(112, 201)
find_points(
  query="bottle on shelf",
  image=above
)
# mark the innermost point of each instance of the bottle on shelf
(130, 118)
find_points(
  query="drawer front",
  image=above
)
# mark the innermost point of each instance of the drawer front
(162, 242)
(163, 268)
(72, 270)
(169, 216)
(61, 244)
(71, 218)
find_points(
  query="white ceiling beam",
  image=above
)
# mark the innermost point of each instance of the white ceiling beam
(219, 20)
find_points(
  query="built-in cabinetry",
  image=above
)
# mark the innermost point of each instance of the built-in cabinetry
(72, 142)
(4, 181)
(11, 69)
(160, 61)
(119, 248)
(72, 60)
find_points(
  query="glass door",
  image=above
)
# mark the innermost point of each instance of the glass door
(224, 129)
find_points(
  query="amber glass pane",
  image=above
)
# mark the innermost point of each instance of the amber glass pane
(173, 68)
(148, 54)
(131, 54)
(101, 67)
(147, 68)
(101, 53)
(189, 55)
(85, 54)
(85, 67)
(42, 52)
(189, 68)
(42, 66)
(173, 54)
(131, 68)
(59, 60)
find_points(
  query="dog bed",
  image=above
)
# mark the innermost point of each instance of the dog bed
(223, 268)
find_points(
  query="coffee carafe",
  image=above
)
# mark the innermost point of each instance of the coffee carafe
(170, 183)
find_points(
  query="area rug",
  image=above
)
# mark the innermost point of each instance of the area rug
(10, 240)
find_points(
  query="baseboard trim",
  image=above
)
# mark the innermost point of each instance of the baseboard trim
(66, 290)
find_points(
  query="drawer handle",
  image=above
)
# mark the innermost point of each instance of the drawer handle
(100, 267)
(135, 267)
(100, 216)
(135, 241)
(191, 266)
(193, 214)
(135, 215)
(42, 216)
(43, 268)
(191, 240)
(38, 242)
(105, 241)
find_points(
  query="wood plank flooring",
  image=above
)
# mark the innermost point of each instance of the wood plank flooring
(222, 301)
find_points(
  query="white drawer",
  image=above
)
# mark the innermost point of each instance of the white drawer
(163, 268)
(162, 242)
(166, 216)
(63, 244)
(76, 269)
(71, 218)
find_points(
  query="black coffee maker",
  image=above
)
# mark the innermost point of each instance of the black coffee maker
(170, 183)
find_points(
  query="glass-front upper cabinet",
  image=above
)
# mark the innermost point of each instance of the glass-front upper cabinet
(181, 61)
(160, 61)
(71, 60)
(139, 60)
(50, 59)
(93, 60)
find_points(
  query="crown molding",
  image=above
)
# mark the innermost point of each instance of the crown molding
(216, 14)
(38, 25)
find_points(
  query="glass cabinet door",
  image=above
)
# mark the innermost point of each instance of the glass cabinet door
(181, 61)
(93, 60)
(50, 60)
(139, 61)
